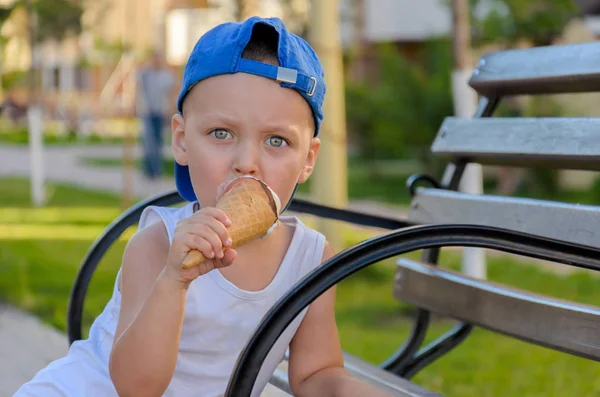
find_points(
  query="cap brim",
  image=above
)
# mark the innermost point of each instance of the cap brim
(184, 183)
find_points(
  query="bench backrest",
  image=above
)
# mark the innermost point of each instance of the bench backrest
(553, 143)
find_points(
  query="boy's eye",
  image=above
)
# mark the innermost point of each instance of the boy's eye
(221, 134)
(276, 141)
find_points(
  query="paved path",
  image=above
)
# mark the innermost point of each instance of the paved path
(26, 345)
(64, 164)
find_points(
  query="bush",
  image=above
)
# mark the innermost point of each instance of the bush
(399, 115)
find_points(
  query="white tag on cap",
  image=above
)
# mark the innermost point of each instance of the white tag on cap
(287, 75)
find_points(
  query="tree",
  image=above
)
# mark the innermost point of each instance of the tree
(399, 115)
(330, 180)
(539, 22)
(508, 21)
(5, 13)
(50, 19)
(46, 19)
(57, 18)
(296, 16)
(246, 9)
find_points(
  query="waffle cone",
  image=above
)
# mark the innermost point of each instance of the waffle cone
(253, 210)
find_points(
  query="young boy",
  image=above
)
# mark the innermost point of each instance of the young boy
(250, 104)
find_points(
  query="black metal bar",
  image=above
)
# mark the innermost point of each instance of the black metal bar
(403, 356)
(486, 106)
(437, 349)
(385, 246)
(414, 179)
(357, 218)
(132, 215)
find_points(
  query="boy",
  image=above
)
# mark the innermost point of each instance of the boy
(250, 104)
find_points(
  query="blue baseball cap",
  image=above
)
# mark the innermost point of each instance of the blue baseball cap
(219, 51)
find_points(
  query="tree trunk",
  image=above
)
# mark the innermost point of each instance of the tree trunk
(358, 70)
(246, 9)
(330, 179)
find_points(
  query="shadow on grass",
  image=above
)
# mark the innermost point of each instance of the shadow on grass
(38, 277)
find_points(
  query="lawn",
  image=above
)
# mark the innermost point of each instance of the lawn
(112, 132)
(41, 249)
(21, 138)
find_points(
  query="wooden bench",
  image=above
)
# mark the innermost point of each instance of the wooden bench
(561, 232)
(442, 217)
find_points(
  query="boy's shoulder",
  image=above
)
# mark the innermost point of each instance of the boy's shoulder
(153, 236)
(147, 249)
(155, 230)
(168, 215)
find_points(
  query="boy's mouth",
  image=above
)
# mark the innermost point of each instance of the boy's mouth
(227, 185)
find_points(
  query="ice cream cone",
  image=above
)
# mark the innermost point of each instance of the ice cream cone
(253, 209)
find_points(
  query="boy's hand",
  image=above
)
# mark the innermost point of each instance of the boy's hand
(205, 231)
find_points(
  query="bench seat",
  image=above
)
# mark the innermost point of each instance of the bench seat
(359, 369)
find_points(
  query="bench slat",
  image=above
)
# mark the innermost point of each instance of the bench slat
(540, 70)
(567, 143)
(560, 221)
(566, 326)
(375, 376)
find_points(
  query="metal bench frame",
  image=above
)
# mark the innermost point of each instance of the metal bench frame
(514, 72)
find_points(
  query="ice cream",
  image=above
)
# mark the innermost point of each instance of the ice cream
(253, 208)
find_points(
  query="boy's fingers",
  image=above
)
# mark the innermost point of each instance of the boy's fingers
(216, 225)
(205, 231)
(216, 213)
(219, 229)
(201, 244)
(228, 258)
(206, 266)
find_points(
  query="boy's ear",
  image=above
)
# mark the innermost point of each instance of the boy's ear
(178, 141)
(311, 159)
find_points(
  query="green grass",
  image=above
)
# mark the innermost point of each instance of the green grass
(373, 325)
(22, 139)
(41, 249)
(112, 132)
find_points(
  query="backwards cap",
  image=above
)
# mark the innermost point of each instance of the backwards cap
(219, 51)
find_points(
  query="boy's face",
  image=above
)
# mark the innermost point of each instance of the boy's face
(240, 124)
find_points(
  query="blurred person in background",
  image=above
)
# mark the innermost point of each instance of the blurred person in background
(155, 83)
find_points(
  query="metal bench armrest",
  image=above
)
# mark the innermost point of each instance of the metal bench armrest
(382, 247)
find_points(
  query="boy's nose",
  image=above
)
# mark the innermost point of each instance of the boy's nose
(244, 171)
(246, 162)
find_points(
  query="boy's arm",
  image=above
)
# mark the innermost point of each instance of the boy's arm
(144, 351)
(316, 364)
(153, 295)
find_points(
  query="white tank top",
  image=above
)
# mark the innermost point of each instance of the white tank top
(219, 317)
